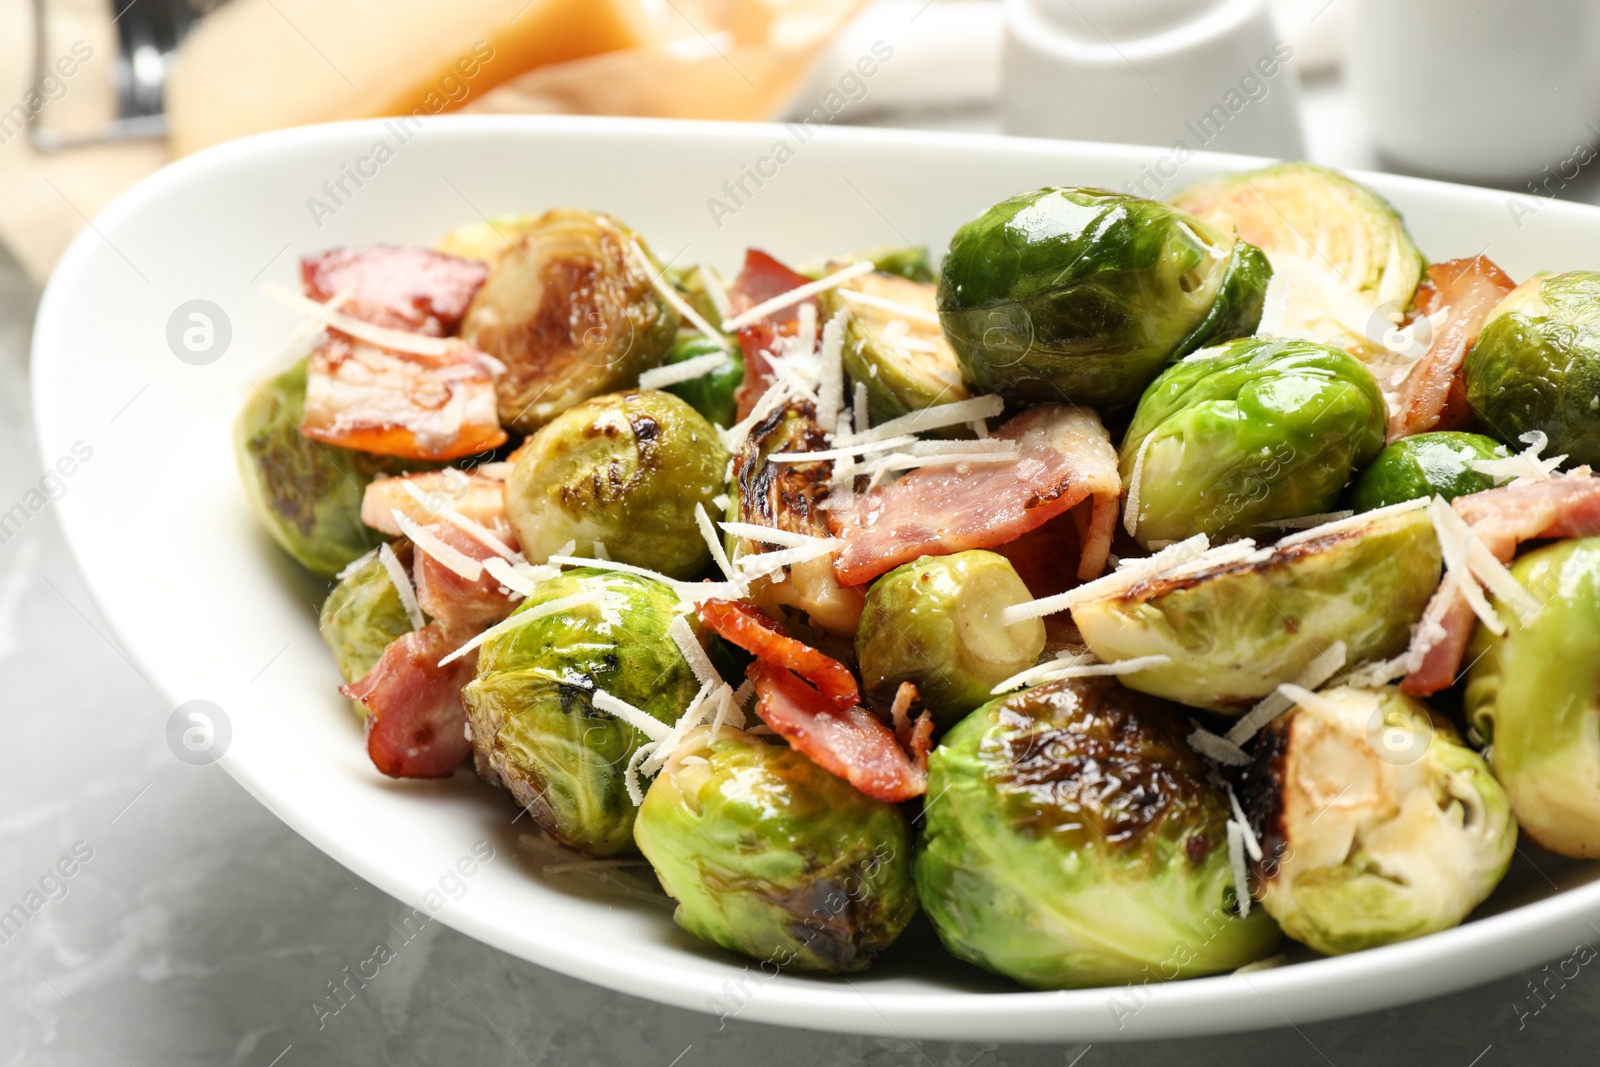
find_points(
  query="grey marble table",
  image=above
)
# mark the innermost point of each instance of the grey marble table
(197, 929)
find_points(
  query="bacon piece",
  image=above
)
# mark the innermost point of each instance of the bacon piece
(1066, 459)
(416, 724)
(404, 404)
(1564, 506)
(414, 289)
(760, 634)
(850, 743)
(483, 500)
(1468, 289)
(762, 279)
(463, 606)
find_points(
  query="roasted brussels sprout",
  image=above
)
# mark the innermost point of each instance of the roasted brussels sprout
(1084, 295)
(1536, 365)
(770, 856)
(1376, 823)
(905, 365)
(1072, 840)
(1425, 465)
(1235, 631)
(307, 495)
(1340, 250)
(936, 623)
(1246, 433)
(530, 709)
(362, 615)
(712, 395)
(625, 470)
(904, 261)
(1533, 695)
(488, 239)
(572, 312)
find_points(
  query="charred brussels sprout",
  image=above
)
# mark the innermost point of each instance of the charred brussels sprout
(1536, 365)
(1534, 696)
(362, 615)
(1236, 631)
(530, 709)
(905, 365)
(1426, 465)
(1084, 295)
(572, 312)
(936, 623)
(489, 239)
(1246, 433)
(625, 470)
(1376, 823)
(1072, 840)
(1340, 251)
(772, 857)
(712, 395)
(307, 495)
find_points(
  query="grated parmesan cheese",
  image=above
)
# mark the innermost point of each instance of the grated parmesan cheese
(1128, 574)
(478, 532)
(402, 585)
(527, 615)
(714, 543)
(693, 652)
(381, 336)
(768, 535)
(1216, 748)
(670, 294)
(356, 564)
(630, 776)
(693, 592)
(678, 373)
(454, 560)
(860, 409)
(1055, 672)
(905, 311)
(716, 292)
(846, 452)
(1251, 845)
(1241, 874)
(1323, 665)
(830, 386)
(1308, 521)
(1454, 537)
(1526, 466)
(1130, 510)
(646, 724)
(1353, 521)
(937, 417)
(764, 563)
(795, 296)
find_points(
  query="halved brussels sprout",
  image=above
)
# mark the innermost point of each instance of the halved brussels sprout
(625, 470)
(1534, 696)
(1236, 631)
(1340, 250)
(1246, 433)
(936, 623)
(489, 239)
(770, 856)
(530, 709)
(712, 395)
(307, 495)
(905, 365)
(1376, 823)
(1073, 840)
(1068, 294)
(1536, 365)
(362, 615)
(1425, 465)
(572, 313)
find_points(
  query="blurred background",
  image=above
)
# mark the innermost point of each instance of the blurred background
(201, 927)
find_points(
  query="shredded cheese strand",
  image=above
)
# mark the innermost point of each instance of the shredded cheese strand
(714, 543)
(937, 417)
(1361, 519)
(1453, 540)
(381, 336)
(693, 651)
(1052, 672)
(402, 585)
(715, 290)
(905, 311)
(678, 373)
(1129, 574)
(453, 559)
(527, 615)
(830, 387)
(1323, 665)
(670, 294)
(645, 723)
(1218, 749)
(769, 535)
(1241, 873)
(1130, 508)
(631, 777)
(480, 533)
(794, 296)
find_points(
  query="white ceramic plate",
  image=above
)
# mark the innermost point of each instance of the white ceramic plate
(208, 609)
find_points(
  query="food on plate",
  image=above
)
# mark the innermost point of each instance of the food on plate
(1076, 841)
(1533, 696)
(1373, 822)
(1082, 295)
(809, 586)
(774, 858)
(1245, 434)
(1536, 365)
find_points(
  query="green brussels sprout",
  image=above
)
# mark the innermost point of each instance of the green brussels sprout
(572, 312)
(770, 856)
(935, 622)
(362, 615)
(1249, 432)
(1425, 465)
(712, 395)
(1235, 631)
(625, 470)
(1534, 695)
(904, 261)
(1376, 823)
(905, 365)
(307, 494)
(1067, 294)
(1536, 365)
(1073, 840)
(530, 709)
(1339, 249)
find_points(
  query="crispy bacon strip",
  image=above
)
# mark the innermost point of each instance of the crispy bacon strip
(851, 743)
(414, 289)
(1066, 459)
(416, 724)
(758, 633)
(1469, 289)
(483, 500)
(1565, 506)
(761, 279)
(463, 606)
(404, 404)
